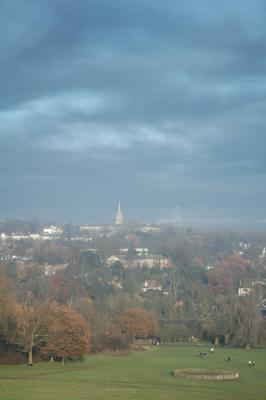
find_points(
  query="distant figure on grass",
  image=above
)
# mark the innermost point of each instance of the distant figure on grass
(156, 341)
(212, 350)
(228, 358)
(253, 363)
(249, 363)
(202, 355)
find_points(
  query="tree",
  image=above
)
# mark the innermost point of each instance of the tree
(220, 281)
(247, 320)
(137, 323)
(11, 270)
(70, 230)
(7, 304)
(174, 280)
(118, 270)
(236, 320)
(31, 323)
(130, 283)
(69, 334)
(90, 260)
(174, 332)
(61, 288)
(165, 306)
(219, 326)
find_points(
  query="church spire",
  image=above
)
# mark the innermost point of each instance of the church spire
(119, 216)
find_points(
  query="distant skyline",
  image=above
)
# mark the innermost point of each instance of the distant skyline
(156, 104)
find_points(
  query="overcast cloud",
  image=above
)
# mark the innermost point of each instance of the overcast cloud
(156, 103)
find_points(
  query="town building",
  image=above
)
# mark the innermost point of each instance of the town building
(152, 261)
(52, 230)
(119, 216)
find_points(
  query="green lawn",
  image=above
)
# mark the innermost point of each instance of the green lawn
(140, 375)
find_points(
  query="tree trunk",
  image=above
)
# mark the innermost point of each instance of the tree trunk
(63, 361)
(226, 339)
(30, 363)
(216, 340)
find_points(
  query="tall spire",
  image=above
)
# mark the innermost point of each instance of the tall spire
(119, 216)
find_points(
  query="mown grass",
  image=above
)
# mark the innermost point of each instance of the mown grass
(139, 375)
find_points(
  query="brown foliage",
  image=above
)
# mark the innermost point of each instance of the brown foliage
(30, 324)
(111, 341)
(61, 290)
(228, 273)
(136, 322)
(69, 334)
(220, 281)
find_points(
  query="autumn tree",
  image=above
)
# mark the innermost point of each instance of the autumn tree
(137, 323)
(83, 306)
(30, 326)
(220, 281)
(228, 274)
(61, 288)
(69, 334)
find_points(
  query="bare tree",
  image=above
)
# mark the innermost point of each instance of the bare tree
(31, 323)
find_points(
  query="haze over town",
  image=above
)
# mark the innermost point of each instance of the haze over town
(157, 105)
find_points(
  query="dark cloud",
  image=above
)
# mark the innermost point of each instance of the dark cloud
(156, 104)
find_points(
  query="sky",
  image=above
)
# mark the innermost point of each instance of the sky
(158, 104)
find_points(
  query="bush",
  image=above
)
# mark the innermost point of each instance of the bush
(115, 342)
(175, 333)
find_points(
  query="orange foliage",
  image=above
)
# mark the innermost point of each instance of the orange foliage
(69, 334)
(228, 273)
(220, 281)
(137, 322)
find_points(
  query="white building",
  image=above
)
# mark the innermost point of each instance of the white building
(151, 285)
(52, 230)
(112, 260)
(3, 236)
(243, 291)
(119, 216)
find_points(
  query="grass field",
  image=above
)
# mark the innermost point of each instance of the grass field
(139, 375)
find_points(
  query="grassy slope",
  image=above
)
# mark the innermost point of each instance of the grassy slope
(141, 375)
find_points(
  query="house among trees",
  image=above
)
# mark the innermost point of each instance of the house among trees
(152, 261)
(113, 260)
(243, 291)
(151, 285)
(50, 270)
(140, 251)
